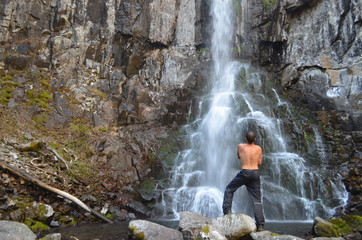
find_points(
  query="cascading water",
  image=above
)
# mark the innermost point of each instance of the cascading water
(237, 102)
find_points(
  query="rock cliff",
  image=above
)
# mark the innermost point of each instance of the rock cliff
(131, 69)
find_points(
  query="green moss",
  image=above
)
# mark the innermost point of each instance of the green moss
(275, 234)
(201, 51)
(148, 185)
(39, 120)
(101, 129)
(36, 226)
(65, 220)
(205, 229)
(138, 234)
(111, 216)
(39, 98)
(269, 4)
(6, 78)
(79, 128)
(7, 86)
(354, 222)
(340, 225)
(326, 230)
(99, 93)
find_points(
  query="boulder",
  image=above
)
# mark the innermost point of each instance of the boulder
(324, 228)
(235, 225)
(327, 238)
(266, 235)
(53, 236)
(15, 231)
(211, 232)
(191, 224)
(142, 229)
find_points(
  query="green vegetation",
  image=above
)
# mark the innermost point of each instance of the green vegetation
(39, 98)
(269, 4)
(340, 225)
(7, 86)
(65, 220)
(98, 93)
(36, 226)
(205, 229)
(201, 51)
(138, 234)
(80, 128)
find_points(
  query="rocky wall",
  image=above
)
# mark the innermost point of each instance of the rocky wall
(314, 47)
(113, 63)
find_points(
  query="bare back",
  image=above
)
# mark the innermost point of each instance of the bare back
(250, 156)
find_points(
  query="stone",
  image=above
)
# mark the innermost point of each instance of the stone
(191, 223)
(15, 231)
(163, 15)
(142, 229)
(211, 232)
(324, 228)
(53, 236)
(235, 225)
(267, 235)
(327, 238)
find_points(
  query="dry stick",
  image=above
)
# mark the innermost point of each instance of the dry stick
(58, 156)
(72, 198)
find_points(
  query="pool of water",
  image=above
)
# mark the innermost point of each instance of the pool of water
(119, 231)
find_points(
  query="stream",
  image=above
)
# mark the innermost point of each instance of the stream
(119, 230)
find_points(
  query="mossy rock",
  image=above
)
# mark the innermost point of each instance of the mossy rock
(354, 222)
(65, 220)
(325, 229)
(36, 226)
(137, 233)
(340, 225)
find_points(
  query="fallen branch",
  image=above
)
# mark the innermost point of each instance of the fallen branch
(33, 180)
(58, 156)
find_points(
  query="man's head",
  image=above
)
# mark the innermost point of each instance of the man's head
(250, 137)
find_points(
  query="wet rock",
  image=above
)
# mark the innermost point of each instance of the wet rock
(139, 209)
(53, 236)
(211, 232)
(231, 226)
(190, 224)
(15, 231)
(141, 229)
(324, 228)
(327, 238)
(235, 226)
(266, 235)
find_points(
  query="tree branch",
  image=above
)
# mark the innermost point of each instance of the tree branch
(33, 180)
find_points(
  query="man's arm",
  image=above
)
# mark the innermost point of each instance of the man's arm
(260, 160)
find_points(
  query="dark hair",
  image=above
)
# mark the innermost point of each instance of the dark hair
(250, 137)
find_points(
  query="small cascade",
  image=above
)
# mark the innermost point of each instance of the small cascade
(320, 148)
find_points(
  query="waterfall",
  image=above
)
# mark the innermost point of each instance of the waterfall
(320, 147)
(238, 102)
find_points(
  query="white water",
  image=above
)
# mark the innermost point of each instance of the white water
(237, 103)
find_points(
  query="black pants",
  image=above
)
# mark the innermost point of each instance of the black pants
(251, 179)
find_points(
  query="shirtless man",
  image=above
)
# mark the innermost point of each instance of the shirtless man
(250, 156)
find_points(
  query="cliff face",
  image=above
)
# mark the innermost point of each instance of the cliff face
(135, 65)
(314, 47)
(132, 65)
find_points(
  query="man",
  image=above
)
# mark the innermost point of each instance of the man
(250, 156)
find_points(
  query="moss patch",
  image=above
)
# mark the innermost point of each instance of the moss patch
(205, 229)
(138, 234)
(36, 226)
(340, 225)
(7, 86)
